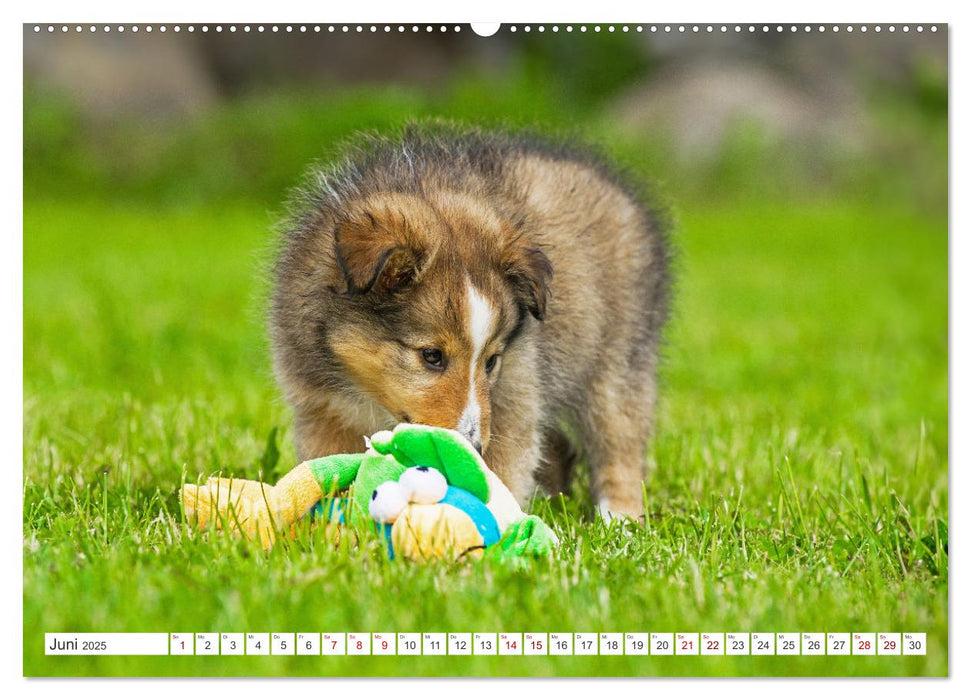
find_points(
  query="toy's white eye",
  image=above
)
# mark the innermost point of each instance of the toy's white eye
(387, 502)
(423, 485)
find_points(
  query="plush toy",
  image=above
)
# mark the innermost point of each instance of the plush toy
(425, 489)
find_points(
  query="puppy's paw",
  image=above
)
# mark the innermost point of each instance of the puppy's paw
(610, 514)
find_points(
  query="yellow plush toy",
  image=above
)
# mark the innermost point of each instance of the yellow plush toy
(425, 489)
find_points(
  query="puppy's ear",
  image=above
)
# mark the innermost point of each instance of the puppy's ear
(377, 252)
(529, 272)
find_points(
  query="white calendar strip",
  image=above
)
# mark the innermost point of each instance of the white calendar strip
(489, 644)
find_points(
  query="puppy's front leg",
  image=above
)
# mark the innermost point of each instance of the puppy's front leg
(321, 431)
(514, 445)
(619, 421)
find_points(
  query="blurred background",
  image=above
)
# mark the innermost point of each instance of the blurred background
(177, 118)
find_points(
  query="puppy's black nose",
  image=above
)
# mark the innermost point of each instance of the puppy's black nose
(477, 444)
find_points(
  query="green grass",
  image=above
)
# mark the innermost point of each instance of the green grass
(799, 473)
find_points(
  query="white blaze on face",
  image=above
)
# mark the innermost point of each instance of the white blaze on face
(479, 315)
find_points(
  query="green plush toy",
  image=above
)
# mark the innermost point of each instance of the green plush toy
(425, 489)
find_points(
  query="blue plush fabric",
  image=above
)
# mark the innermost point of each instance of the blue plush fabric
(335, 507)
(485, 521)
(386, 531)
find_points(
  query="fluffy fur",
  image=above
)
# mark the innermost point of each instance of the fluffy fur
(530, 266)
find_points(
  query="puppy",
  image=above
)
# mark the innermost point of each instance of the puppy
(502, 285)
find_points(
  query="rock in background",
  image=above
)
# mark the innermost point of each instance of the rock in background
(795, 89)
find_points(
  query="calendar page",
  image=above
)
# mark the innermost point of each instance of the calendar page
(540, 349)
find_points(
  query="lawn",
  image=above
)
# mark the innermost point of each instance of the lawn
(799, 471)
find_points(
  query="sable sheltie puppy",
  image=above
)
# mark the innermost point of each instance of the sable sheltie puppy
(502, 285)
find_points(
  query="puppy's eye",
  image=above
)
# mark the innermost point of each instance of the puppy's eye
(433, 358)
(491, 363)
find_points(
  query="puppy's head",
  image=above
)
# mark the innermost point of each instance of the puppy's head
(436, 294)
